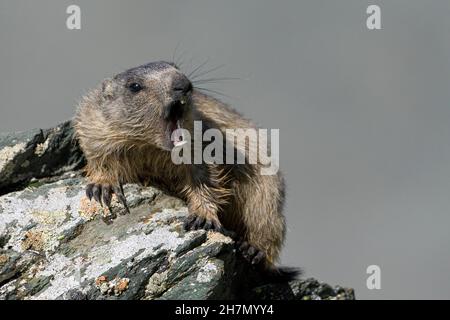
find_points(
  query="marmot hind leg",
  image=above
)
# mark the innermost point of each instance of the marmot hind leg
(253, 255)
(261, 215)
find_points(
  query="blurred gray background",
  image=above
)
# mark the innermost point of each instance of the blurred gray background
(364, 116)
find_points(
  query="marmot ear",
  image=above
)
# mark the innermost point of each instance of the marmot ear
(108, 88)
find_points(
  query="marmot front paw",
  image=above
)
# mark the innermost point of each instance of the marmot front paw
(102, 193)
(194, 222)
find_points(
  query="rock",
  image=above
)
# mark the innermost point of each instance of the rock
(308, 289)
(37, 154)
(56, 244)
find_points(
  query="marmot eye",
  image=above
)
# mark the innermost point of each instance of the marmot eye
(135, 87)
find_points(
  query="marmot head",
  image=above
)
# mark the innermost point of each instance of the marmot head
(148, 104)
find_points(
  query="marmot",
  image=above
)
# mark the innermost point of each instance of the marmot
(124, 126)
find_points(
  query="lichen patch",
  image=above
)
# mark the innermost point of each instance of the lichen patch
(41, 148)
(217, 237)
(3, 259)
(114, 287)
(33, 240)
(8, 153)
(207, 272)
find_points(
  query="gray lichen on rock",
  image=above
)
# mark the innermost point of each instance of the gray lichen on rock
(55, 244)
(8, 153)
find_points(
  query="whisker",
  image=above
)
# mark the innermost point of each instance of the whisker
(192, 73)
(208, 71)
(212, 91)
(181, 60)
(174, 55)
(216, 80)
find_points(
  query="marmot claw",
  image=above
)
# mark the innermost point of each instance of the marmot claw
(103, 194)
(194, 222)
(250, 253)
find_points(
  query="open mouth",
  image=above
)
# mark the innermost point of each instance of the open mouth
(176, 133)
(174, 119)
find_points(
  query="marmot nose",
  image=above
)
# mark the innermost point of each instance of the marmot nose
(181, 85)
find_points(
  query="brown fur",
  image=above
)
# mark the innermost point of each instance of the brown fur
(122, 137)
